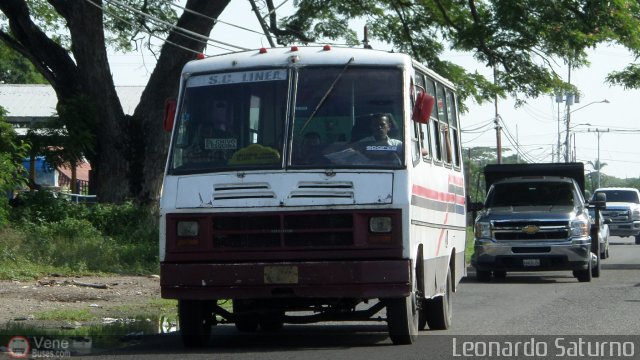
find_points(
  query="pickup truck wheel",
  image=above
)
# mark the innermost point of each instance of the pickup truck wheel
(195, 320)
(438, 311)
(595, 271)
(499, 274)
(483, 275)
(583, 275)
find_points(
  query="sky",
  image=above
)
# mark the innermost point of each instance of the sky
(534, 126)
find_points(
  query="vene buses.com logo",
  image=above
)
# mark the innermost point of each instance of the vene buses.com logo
(18, 347)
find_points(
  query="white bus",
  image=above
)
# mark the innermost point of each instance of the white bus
(310, 184)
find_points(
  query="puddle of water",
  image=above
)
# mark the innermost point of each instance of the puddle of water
(21, 338)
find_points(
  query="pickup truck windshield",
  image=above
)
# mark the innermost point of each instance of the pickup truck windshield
(620, 196)
(530, 194)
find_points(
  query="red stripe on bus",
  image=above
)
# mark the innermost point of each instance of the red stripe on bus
(437, 195)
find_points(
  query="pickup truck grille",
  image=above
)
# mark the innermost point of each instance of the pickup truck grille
(534, 230)
(616, 215)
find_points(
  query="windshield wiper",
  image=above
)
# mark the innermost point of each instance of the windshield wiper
(326, 95)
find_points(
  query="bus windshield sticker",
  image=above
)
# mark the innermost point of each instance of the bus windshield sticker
(237, 77)
(217, 144)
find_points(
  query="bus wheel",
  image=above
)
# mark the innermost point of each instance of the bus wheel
(272, 321)
(195, 322)
(245, 320)
(402, 319)
(438, 311)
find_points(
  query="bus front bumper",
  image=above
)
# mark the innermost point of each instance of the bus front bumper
(321, 279)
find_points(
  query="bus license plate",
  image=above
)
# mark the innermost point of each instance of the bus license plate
(280, 274)
(530, 262)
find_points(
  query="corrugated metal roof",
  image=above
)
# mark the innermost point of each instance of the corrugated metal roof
(37, 101)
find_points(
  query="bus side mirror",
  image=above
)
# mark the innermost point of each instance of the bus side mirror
(423, 107)
(169, 114)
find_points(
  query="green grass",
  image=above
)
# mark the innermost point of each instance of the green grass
(469, 245)
(65, 315)
(153, 308)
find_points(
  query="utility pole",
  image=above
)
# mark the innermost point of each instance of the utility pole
(569, 103)
(497, 119)
(598, 132)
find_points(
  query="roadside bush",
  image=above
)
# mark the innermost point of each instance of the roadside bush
(42, 207)
(70, 243)
(4, 212)
(84, 237)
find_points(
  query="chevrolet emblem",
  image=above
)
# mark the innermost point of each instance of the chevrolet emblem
(530, 229)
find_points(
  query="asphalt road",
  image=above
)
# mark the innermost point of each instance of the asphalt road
(551, 312)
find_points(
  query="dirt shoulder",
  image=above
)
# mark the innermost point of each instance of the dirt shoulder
(95, 298)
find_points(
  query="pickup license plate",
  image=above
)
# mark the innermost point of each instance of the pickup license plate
(530, 262)
(283, 274)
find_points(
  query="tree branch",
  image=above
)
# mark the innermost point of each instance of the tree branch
(273, 22)
(51, 59)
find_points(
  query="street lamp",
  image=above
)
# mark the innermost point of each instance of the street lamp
(566, 142)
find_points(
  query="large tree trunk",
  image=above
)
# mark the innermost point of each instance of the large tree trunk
(163, 84)
(110, 164)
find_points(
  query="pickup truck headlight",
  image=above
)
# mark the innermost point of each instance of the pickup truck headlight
(635, 214)
(482, 230)
(579, 228)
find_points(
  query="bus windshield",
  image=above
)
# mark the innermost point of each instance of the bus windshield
(342, 117)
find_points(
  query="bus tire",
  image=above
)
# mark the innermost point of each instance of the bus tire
(195, 322)
(272, 321)
(244, 319)
(438, 311)
(402, 319)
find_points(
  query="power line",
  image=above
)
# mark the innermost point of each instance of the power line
(215, 19)
(150, 34)
(184, 32)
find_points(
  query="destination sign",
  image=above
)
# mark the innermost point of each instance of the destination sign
(237, 77)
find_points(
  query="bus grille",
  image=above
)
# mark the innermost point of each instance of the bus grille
(282, 230)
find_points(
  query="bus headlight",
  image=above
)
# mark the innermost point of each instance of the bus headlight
(380, 224)
(188, 229)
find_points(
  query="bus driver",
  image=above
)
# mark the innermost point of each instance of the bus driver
(379, 141)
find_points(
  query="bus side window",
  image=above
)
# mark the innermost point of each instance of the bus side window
(420, 134)
(443, 132)
(453, 124)
(431, 129)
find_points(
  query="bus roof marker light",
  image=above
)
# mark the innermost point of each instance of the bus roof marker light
(263, 50)
(294, 48)
(200, 56)
(326, 47)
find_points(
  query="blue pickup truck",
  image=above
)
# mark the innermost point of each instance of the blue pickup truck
(535, 218)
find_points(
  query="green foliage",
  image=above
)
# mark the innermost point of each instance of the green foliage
(80, 238)
(523, 39)
(16, 69)
(12, 173)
